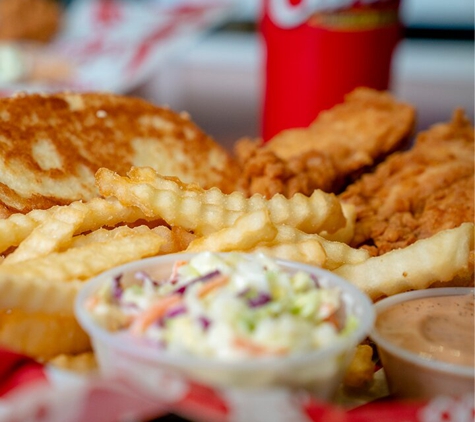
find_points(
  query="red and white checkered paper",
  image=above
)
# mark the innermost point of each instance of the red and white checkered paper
(115, 45)
(31, 392)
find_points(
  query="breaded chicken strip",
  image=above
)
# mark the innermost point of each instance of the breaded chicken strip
(340, 144)
(415, 194)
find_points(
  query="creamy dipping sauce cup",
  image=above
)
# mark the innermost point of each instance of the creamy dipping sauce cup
(425, 342)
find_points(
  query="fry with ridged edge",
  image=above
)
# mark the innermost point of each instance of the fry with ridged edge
(308, 251)
(101, 235)
(337, 253)
(206, 211)
(440, 257)
(175, 239)
(79, 363)
(41, 335)
(360, 372)
(84, 262)
(246, 232)
(49, 236)
(99, 212)
(32, 293)
(345, 234)
(18, 227)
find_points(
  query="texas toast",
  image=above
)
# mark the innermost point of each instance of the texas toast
(52, 145)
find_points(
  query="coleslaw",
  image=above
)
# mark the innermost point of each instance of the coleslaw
(226, 306)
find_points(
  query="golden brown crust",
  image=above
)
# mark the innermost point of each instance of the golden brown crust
(52, 145)
(267, 174)
(334, 150)
(4, 211)
(41, 335)
(415, 194)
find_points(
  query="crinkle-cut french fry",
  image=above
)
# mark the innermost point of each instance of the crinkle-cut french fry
(246, 232)
(176, 239)
(149, 175)
(34, 294)
(206, 211)
(48, 236)
(360, 373)
(80, 363)
(42, 335)
(337, 253)
(87, 261)
(440, 257)
(106, 212)
(105, 235)
(309, 251)
(97, 236)
(17, 227)
(345, 234)
(100, 212)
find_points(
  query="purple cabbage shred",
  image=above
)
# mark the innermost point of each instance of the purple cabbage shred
(117, 288)
(172, 313)
(315, 280)
(205, 322)
(143, 276)
(177, 310)
(261, 299)
(207, 277)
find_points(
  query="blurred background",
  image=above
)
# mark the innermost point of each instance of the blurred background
(215, 73)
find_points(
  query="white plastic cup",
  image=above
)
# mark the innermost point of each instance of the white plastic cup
(319, 372)
(409, 375)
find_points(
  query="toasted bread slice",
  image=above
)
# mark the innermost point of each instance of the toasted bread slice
(52, 145)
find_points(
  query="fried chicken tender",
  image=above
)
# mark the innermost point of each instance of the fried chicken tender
(340, 144)
(415, 194)
(265, 173)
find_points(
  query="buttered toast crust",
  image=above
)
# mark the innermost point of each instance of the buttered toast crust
(52, 145)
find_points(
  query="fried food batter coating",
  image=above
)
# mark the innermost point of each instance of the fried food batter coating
(415, 194)
(265, 173)
(340, 144)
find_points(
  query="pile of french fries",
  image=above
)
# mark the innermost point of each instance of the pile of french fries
(49, 254)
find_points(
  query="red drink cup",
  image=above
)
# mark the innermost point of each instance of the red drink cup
(319, 50)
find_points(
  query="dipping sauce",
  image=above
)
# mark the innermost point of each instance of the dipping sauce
(436, 328)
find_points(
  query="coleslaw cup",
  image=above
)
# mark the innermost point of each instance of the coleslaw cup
(319, 372)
